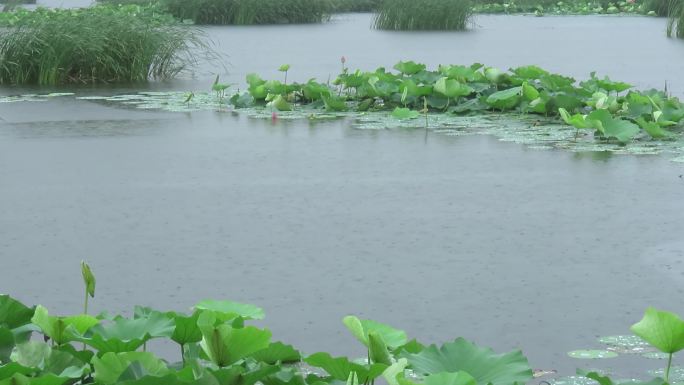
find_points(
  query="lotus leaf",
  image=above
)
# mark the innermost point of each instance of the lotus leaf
(245, 311)
(62, 329)
(14, 313)
(186, 330)
(392, 337)
(481, 363)
(662, 329)
(277, 352)
(452, 88)
(506, 99)
(224, 344)
(111, 366)
(404, 113)
(409, 67)
(340, 367)
(446, 378)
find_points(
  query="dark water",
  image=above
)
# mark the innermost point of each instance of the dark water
(443, 237)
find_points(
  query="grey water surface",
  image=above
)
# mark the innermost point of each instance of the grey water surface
(441, 236)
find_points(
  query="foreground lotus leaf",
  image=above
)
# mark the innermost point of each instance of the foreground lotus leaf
(339, 368)
(245, 311)
(481, 363)
(662, 329)
(110, 367)
(392, 337)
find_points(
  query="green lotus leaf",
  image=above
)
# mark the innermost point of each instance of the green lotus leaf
(48, 379)
(529, 93)
(481, 363)
(245, 311)
(243, 100)
(186, 330)
(578, 120)
(277, 352)
(254, 80)
(394, 374)
(638, 105)
(622, 130)
(404, 113)
(6, 344)
(452, 88)
(554, 82)
(662, 329)
(224, 344)
(124, 335)
(281, 104)
(32, 354)
(392, 337)
(334, 103)
(12, 368)
(445, 378)
(110, 367)
(340, 367)
(654, 129)
(505, 99)
(62, 329)
(377, 349)
(284, 68)
(494, 75)
(529, 72)
(460, 73)
(315, 91)
(437, 101)
(570, 102)
(14, 313)
(169, 379)
(408, 68)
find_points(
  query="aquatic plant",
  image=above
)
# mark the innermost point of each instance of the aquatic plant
(245, 12)
(583, 7)
(355, 5)
(219, 346)
(664, 330)
(423, 15)
(612, 110)
(675, 24)
(91, 45)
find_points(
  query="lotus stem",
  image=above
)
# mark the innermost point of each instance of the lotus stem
(667, 370)
(85, 304)
(182, 346)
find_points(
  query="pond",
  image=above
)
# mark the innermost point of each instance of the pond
(443, 236)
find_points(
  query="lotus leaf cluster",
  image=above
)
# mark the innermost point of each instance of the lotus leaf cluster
(218, 345)
(610, 110)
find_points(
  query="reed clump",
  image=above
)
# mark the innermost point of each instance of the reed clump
(247, 12)
(675, 23)
(356, 5)
(102, 44)
(424, 15)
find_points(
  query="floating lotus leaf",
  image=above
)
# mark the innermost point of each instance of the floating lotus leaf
(404, 113)
(592, 354)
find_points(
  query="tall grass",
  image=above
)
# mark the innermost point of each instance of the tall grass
(242, 12)
(675, 23)
(423, 15)
(355, 5)
(91, 45)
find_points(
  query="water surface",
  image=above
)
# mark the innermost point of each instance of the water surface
(442, 236)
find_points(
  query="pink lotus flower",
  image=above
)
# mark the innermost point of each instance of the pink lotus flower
(274, 116)
(343, 60)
